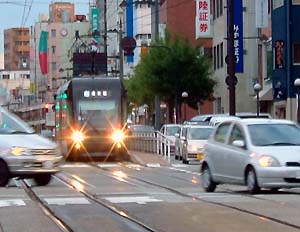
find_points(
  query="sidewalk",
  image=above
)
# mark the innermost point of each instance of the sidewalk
(148, 159)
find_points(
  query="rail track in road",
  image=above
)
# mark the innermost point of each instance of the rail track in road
(71, 183)
(108, 172)
(61, 224)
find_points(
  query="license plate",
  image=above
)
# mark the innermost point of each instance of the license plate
(48, 164)
(200, 156)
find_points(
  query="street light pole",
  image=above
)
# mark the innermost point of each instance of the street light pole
(257, 88)
(297, 85)
(184, 95)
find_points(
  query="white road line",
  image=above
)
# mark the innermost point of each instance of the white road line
(12, 202)
(150, 165)
(179, 165)
(75, 166)
(107, 165)
(186, 171)
(139, 200)
(67, 201)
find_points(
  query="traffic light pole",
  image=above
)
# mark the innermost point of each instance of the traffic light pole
(155, 33)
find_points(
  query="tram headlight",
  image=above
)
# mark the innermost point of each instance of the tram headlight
(118, 136)
(77, 136)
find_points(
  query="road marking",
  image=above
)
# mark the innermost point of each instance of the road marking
(150, 165)
(179, 165)
(12, 202)
(67, 201)
(186, 171)
(107, 165)
(139, 200)
(75, 166)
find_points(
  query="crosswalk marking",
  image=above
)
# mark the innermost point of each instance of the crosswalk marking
(67, 201)
(138, 199)
(107, 165)
(152, 165)
(75, 166)
(12, 202)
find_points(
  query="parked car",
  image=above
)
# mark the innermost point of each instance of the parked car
(194, 139)
(258, 153)
(169, 131)
(179, 140)
(210, 117)
(24, 153)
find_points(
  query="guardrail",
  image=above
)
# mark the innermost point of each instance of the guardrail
(152, 142)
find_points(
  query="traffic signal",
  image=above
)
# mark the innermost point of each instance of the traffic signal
(47, 106)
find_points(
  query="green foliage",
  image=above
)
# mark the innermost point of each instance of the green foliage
(170, 68)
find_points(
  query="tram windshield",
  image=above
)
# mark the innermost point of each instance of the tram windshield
(99, 113)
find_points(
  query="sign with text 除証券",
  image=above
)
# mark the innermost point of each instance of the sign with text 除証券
(202, 20)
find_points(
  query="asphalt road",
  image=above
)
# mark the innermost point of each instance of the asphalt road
(128, 197)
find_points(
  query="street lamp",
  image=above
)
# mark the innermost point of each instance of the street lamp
(257, 88)
(297, 85)
(146, 113)
(184, 95)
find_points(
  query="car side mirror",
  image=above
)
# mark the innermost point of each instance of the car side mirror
(177, 135)
(239, 143)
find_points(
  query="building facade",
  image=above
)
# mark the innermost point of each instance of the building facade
(16, 49)
(286, 50)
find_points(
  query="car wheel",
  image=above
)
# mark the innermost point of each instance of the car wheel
(252, 184)
(4, 174)
(206, 179)
(42, 179)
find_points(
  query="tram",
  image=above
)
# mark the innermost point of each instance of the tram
(90, 117)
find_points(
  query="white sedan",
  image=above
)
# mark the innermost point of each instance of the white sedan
(258, 153)
(25, 154)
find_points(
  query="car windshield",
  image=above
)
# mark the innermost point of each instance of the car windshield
(274, 134)
(172, 130)
(11, 124)
(199, 133)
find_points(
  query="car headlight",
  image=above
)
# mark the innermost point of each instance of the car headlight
(193, 148)
(268, 161)
(77, 136)
(118, 136)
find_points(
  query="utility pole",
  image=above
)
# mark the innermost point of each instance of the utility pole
(121, 49)
(155, 34)
(105, 34)
(231, 60)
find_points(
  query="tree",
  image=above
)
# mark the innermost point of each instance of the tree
(169, 68)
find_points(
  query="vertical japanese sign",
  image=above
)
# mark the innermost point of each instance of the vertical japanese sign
(95, 26)
(238, 35)
(261, 9)
(279, 54)
(202, 21)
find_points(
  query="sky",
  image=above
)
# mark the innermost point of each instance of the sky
(17, 13)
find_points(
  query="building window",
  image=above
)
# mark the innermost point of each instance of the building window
(54, 66)
(5, 76)
(215, 59)
(53, 33)
(218, 56)
(221, 56)
(53, 49)
(296, 54)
